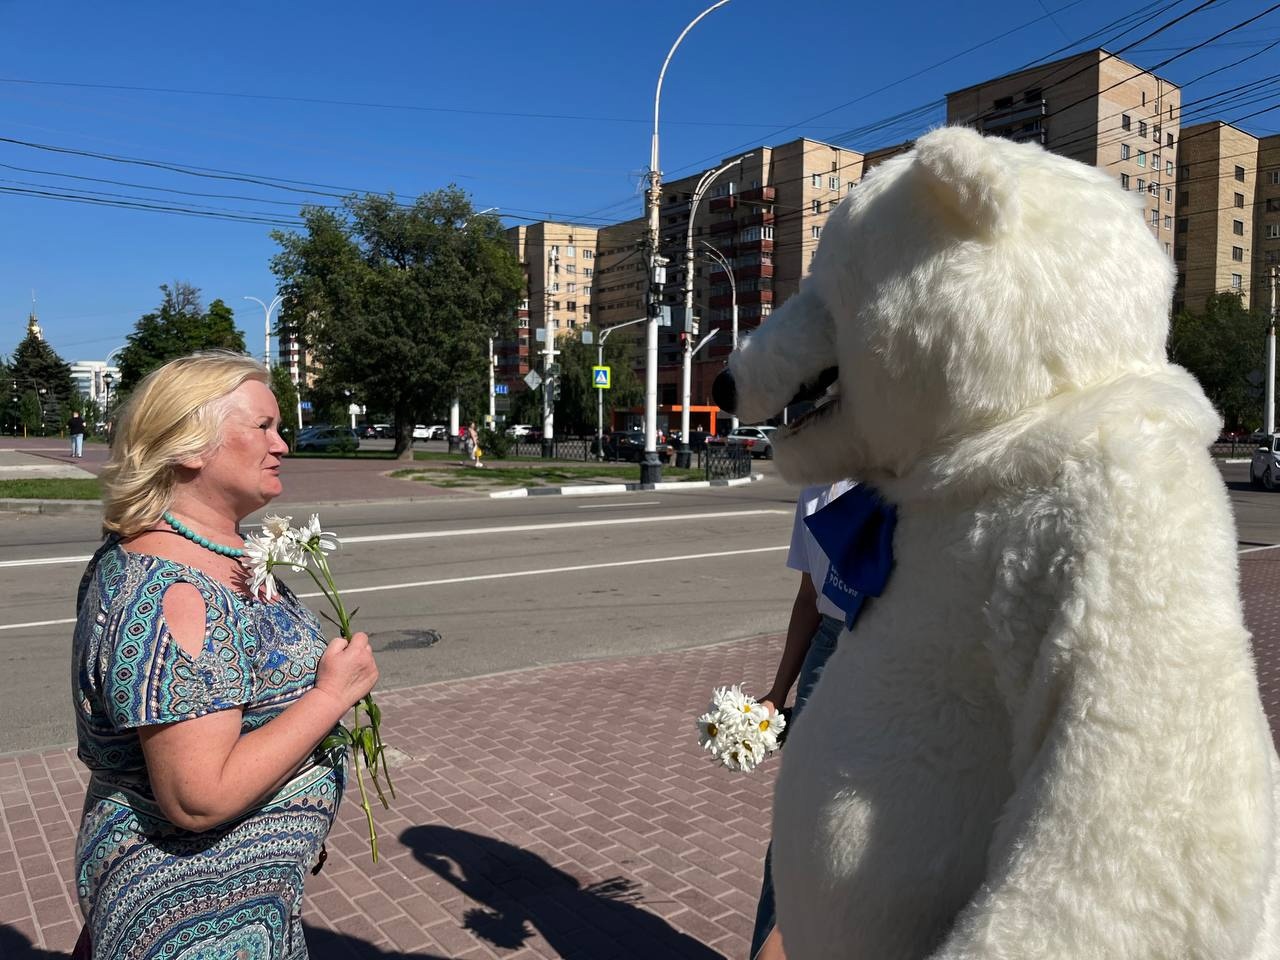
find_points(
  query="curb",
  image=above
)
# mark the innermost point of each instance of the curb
(18, 505)
(587, 490)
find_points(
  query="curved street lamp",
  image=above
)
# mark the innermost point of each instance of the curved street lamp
(267, 310)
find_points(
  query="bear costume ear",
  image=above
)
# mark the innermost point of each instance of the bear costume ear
(971, 178)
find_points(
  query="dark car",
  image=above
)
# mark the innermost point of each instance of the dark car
(629, 445)
(325, 439)
(698, 439)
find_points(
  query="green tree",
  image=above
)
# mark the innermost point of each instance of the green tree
(37, 369)
(31, 413)
(287, 398)
(179, 326)
(576, 408)
(398, 301)
(1223, 347)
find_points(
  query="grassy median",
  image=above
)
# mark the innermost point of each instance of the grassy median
(468, 476)
(54, 489)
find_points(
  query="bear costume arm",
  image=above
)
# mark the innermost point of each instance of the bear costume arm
(1141, 826)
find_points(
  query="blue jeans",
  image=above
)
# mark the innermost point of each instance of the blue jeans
(821, 647)
(77, 444)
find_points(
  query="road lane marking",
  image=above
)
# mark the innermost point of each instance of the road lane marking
(1269, 546)
(474, 531)
(345, 591)
(616, 506)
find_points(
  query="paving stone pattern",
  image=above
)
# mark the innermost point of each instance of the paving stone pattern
(564, 811)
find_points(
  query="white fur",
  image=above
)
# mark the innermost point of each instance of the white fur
(1045, 740)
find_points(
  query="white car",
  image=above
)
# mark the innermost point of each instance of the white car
(1264, 469)
(420, 432)
(519, 430)
(757, 440)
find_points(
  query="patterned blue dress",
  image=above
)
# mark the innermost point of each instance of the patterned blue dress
(149, 889)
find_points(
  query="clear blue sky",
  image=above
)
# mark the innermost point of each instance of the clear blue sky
(459, 84)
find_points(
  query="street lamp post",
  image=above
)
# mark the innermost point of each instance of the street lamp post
(721, 259)
(650, 467)
(684, 457)
(267, 310)
(604, 335)
(549, 352)
(1269, 414)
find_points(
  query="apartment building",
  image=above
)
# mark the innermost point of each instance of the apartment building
(1095, 108)
(1228, 214)
(559, 262)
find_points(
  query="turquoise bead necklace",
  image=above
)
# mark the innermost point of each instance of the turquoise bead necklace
(218, 548)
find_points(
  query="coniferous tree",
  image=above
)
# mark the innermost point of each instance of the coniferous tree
(36, 369)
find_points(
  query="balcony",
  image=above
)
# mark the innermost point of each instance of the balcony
(759, 195)
(762, 219)
(724, 226)
(745, 297)
(749, 246)
(723, 203)
(744, 273)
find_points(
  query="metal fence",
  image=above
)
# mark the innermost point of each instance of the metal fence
(725, 461)
(562, 448)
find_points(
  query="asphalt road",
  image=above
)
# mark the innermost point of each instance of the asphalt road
(469, 586)
(459, 587)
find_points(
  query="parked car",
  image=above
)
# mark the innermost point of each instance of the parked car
(629, 445)
(420, 431)
(368, 432)
(518, 431)
(698, 439)
(1264, 468)
(324, 439)
(437, 431)
(757, 440)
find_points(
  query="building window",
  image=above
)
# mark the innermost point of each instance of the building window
(1124, 151)
(587, 272)
(586, 291)
(1273, 205)
(833, 183)
(1003, 103)
(1142, 158)
(554, 249)
(569, 251)
(555, 286)
(1237, 254)
(1273, 231)
(1124, 181)
(570, 268)
(1237, 227)
(815, 180)
(555, 304)
(1142, 185)
(1273, 177)
(1142, 128)
(1153, 188)
(1124, 121)
(1240, 174)
(572, 288)
(1155, 161)
(1167, 248)
(1237, 282)
(1168, 168)
(1155, 218)
(1168, 194)
(815, 232)
(1240, 200)
(588, 255)
(815, 207)
(1168, 225)
(1155, 133)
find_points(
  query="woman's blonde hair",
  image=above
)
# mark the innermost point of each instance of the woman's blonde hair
(174, 415)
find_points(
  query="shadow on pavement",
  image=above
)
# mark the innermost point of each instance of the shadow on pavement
(327, 945)
(521, 893)
(14, 945)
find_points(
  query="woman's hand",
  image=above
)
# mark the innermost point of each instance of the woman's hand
(347, 671)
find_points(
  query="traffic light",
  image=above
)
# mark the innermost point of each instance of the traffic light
(683, 340)
(555, 389)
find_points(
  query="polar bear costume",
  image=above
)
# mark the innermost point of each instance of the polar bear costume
(1044, 741)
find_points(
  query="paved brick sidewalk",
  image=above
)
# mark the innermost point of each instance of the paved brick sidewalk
(557, 812)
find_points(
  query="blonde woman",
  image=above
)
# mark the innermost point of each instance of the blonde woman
(199, 706)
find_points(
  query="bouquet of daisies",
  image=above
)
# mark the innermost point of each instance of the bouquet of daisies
(738, 730)
(306, 548)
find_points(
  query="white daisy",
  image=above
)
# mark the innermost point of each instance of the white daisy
(316, 538)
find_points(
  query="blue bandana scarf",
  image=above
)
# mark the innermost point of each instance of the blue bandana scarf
(855, 531)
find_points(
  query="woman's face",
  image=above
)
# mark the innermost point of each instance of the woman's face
(243, 473)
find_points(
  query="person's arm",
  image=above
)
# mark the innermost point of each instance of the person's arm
(803, 624)
(203, 771)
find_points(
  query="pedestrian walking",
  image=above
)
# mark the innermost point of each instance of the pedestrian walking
(472, 442)
(75, 428)
(812, 634)
(200, 705)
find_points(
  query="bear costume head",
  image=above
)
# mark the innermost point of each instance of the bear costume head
(957, 285)
(1044, 738)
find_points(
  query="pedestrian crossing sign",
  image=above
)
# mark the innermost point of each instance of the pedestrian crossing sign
(600, 377)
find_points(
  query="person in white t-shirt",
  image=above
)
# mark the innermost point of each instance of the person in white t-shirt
(812, 633)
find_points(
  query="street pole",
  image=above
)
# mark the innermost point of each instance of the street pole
(604, 335)
(548, 359)
(685, 456)
(493, 420)
(650, 467)
(1269, 418)
(721, 259)
(267, 310)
